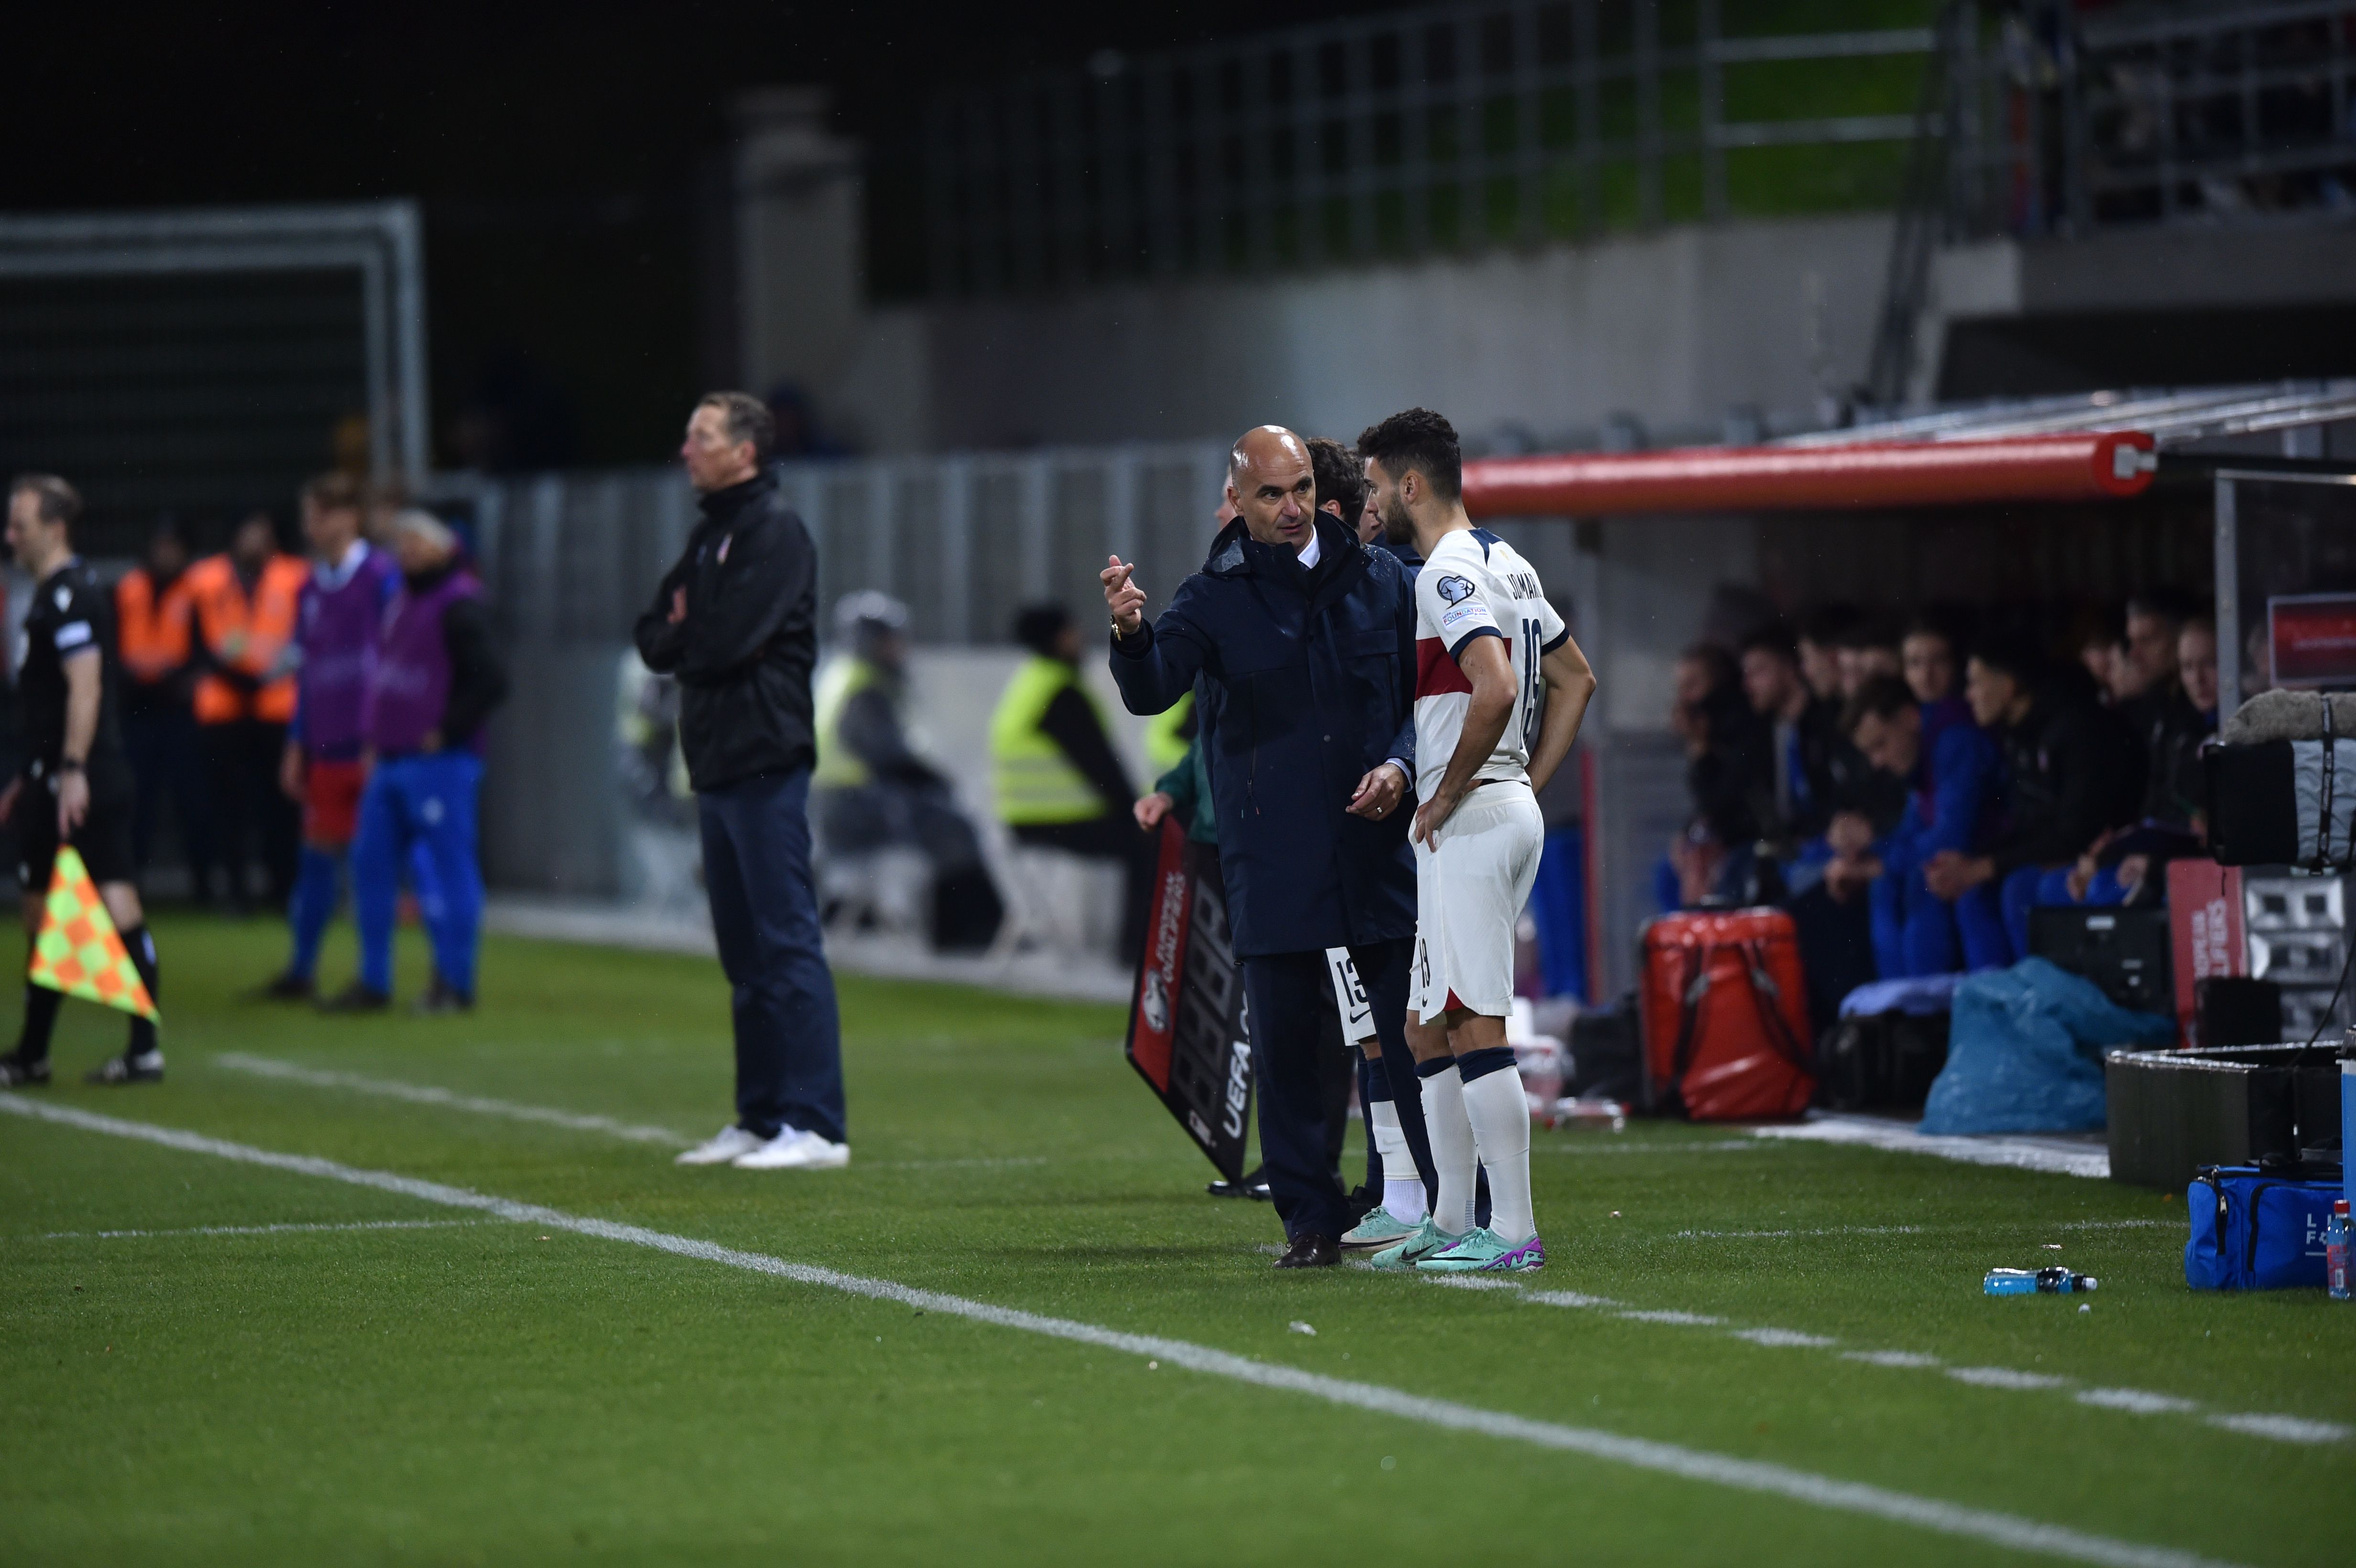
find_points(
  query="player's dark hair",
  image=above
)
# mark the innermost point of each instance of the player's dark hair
(2017, 656)
(1883, 697)
(1869, 632)
(57, 502)
(334, 491)
(2167, 604)
(1774, 637)
(1421, 440)
(747, 418)
(1341, 476)
(1826, 623)
(1036, 627)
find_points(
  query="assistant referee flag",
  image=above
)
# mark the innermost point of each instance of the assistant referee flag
(79, 951)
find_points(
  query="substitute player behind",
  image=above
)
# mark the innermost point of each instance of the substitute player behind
(1499, 693)
(76, 787)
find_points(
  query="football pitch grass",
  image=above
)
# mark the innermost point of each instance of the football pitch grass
(482, 1318)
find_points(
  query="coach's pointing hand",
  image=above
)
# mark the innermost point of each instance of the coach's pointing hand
(1123, 597)
(1377, 795)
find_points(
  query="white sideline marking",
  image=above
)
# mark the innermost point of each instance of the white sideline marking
(2282, 1428)
(2137, 1401)
(1825, 1231)
(2004, 1377)
(2019, 1153)
(1784, 1339)
(1667, 1458)
(260, 1230)
(426, 1094)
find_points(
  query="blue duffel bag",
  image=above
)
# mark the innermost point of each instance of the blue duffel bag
(2257, 1229)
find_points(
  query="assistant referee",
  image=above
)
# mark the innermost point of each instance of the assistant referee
(76, 787)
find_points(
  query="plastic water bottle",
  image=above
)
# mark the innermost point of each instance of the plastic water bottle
(2335, 1251)
(2036, 1281)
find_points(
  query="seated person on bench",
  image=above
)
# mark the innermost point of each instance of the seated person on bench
(1917, 930)
(2071, 770)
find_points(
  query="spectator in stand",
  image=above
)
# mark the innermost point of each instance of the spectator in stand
(338, 622)
(1057, 781)
(155, 635)
(1728, 765)
(1918, 928)
(382, 498)
(2166, 722)
(2176, 794)
(2071, 772)
(1821, 631)
(1795, 810)
(246, 603)
(1869, 647)
(437, 679)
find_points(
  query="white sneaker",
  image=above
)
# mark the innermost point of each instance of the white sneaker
(792, 1149)
(720, 1147)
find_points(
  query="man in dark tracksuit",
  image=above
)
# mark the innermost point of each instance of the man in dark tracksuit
(1309, 637)
(735, 622)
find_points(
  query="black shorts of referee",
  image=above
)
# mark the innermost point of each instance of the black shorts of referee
(104, 837)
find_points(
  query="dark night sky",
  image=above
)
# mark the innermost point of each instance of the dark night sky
(555, 148)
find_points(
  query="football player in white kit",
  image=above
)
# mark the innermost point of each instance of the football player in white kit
(1500, 690)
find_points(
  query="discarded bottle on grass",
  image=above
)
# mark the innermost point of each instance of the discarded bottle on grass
(2036, 1281)
(2335, 1251)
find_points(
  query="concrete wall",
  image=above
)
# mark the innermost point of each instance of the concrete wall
(1519, 347)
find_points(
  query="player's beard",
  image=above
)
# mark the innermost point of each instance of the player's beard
(1399, 528)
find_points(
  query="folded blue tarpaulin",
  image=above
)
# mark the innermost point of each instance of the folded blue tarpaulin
(2025, 1052)
(1918, 994)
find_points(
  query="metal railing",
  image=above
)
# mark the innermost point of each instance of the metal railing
(1473, 125)
(1445, 128)
(964, 539)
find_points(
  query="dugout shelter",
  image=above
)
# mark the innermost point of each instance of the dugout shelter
(2029, 510)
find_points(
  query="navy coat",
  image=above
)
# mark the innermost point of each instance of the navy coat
(1313, 692)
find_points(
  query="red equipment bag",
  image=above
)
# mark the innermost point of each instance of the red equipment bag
(1724, 1011)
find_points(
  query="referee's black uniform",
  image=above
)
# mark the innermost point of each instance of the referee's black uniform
(73, 611)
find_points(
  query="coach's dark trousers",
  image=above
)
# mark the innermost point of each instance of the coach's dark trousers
(1289, 994)
(756, 869)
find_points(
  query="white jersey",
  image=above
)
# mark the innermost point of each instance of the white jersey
(1477, 585)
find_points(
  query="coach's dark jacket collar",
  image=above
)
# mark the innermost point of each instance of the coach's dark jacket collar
(1341, 558)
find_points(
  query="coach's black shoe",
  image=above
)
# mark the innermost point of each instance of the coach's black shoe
(147, 1067)
(443, 998)
(18, 1070)
(358, 996)
(1309, 1250)
(287, 988)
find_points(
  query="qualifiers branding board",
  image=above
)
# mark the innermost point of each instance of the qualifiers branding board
(1188, 1037)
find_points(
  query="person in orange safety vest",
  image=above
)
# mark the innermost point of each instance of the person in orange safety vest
(245, 601)
(155, 618)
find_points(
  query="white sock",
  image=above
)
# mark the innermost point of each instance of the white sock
(1500, 1116)
(1403, 1196)
(1453, 1155)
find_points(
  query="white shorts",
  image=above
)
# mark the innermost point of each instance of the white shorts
(1470, 890)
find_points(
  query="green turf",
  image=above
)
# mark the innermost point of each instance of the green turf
(480, 1394)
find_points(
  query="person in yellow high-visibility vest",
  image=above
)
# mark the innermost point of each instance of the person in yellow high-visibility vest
(1055, 780)
(872, 788)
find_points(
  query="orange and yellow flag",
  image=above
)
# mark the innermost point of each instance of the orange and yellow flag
(78, 951)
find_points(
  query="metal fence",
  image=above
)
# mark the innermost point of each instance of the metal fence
(965, 539)
(1473, 125)
(1448, 128)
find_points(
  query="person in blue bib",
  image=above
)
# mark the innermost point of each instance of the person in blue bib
(436, 681)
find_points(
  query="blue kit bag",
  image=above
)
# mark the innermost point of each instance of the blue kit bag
(2256, 1228)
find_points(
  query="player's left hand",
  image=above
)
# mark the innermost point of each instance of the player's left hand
(1379, 794)
(73, 802)
(1431, 817)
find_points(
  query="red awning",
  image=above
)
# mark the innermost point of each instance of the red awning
(2108, 466)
